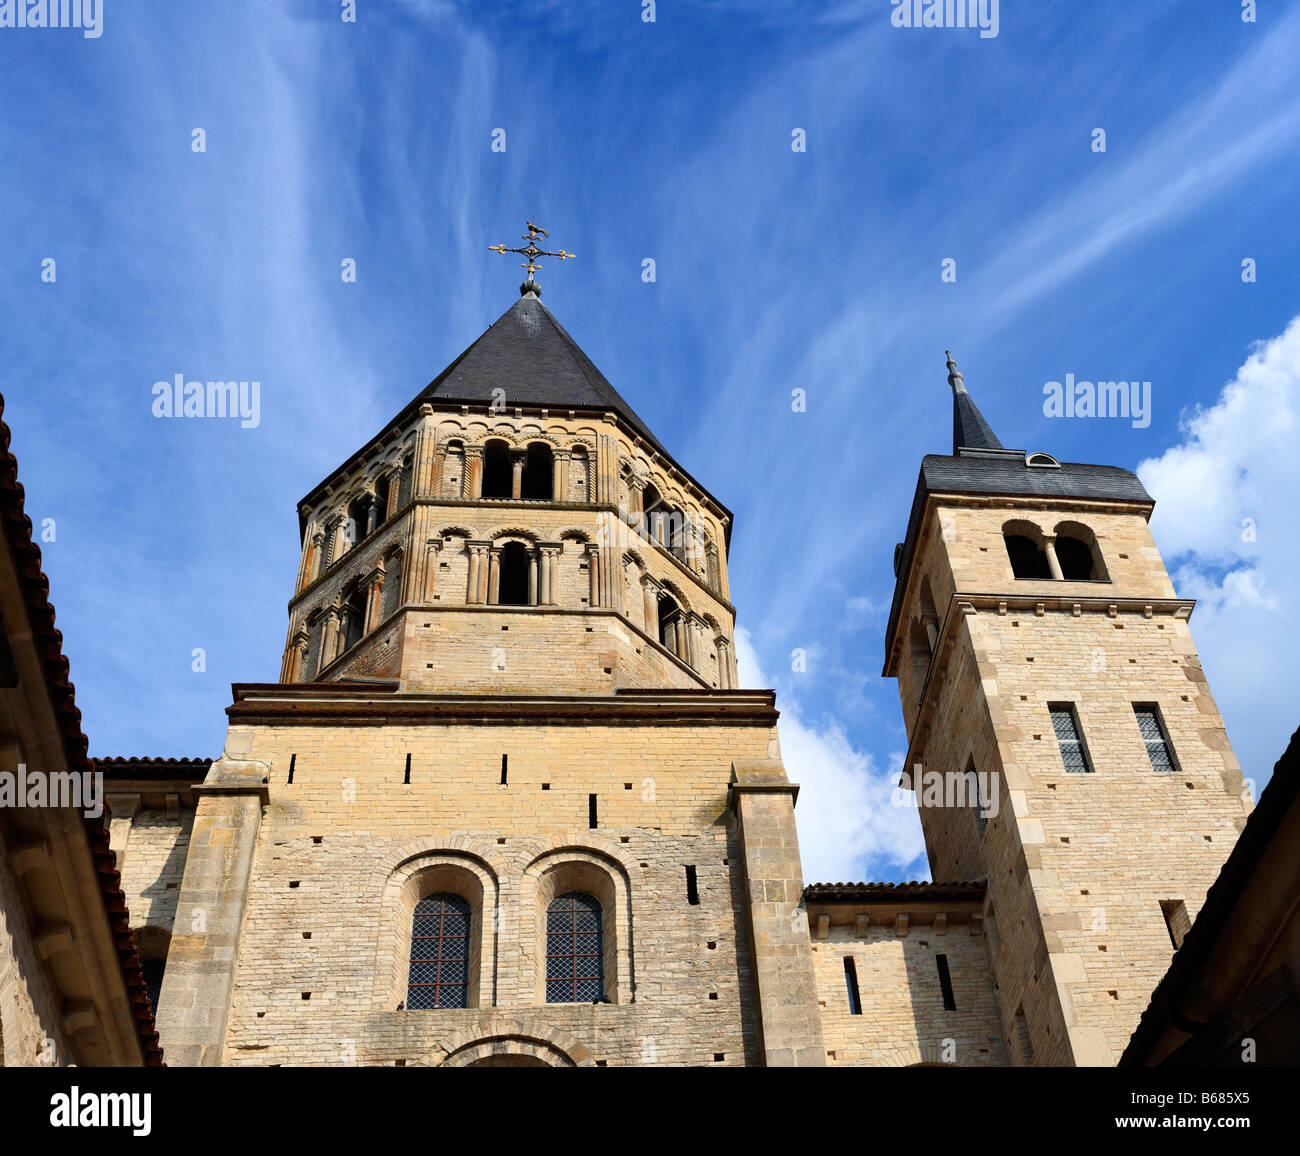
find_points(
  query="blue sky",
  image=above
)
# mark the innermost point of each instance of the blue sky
(776, 270)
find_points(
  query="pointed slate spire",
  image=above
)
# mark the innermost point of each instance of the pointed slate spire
(969, 429)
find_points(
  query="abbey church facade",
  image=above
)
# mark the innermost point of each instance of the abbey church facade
(508, 805)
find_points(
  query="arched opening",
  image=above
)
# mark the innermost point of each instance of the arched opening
(1027, 559)
(513, 587)
(496, 470)
(355, 613)
(539, 473)
(670, 621)
(383, 487)
(358, 517)
(509, 1061)
(650, 506)
(1075, 558)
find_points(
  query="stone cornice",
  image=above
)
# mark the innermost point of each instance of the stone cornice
(350, 704)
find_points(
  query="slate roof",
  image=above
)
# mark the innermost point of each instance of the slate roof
(527, 353)
(968, 425)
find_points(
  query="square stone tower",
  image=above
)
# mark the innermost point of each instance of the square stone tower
(506, 805)
(1044, 660)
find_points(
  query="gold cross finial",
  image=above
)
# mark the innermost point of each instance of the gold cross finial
(532, 252)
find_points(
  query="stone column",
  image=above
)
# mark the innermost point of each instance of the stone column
(636, 494)
(198, 985)
(650, 593)
(473, 485)
(724, 663)
(475, 565)
(329, 643)
(121, 814)
(1053, 563)
(298, 666)
(494, 575)
(517, 459)
(593, 575)
(373, 603)
(763, 801)
(548, 574)
(532, 577)
(394, 491)
(560, 476)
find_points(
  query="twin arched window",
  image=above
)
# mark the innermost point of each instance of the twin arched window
(440, 951)
(439, 975)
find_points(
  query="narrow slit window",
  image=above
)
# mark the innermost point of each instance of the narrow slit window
(851, 983)
(945, 983)
(1178, 922)
(406, 778)
(692, 887)
(1065, 723)
(293, 763)
(591, 811)
(503, 770)
(1022, 1037)
(1154, 735)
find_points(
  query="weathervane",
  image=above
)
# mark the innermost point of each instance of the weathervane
(532, 252)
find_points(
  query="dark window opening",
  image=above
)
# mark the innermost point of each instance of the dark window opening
(575, 950)
(439, 975)
(355, 609)
(1075, 558)
(692, 887)
(851, 982)
(407, 777)
(503, 770)
(382, 488)
(591, 811)
(496, 470)
(153, 977)
(358, 518)
(539, 472)
(1027, 560)
(1022, 1037)
(1177, 921)
(293, 762)
(512, 589)
(945, 983)
(670, 616)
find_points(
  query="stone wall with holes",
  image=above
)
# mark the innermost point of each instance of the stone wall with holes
(318, 952)
(153, 865)
(1077, 864)
(30, 1032)
(903, 1020)
(535, 651)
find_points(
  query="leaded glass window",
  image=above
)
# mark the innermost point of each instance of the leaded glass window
(575, 950)
(1068, 736)
(1153, 735)
(439, 974)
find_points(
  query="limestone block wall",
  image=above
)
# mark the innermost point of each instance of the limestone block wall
(152, 871)
(320, 945)
(903, 1020)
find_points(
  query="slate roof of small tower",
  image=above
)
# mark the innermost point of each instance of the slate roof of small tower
(980, 464)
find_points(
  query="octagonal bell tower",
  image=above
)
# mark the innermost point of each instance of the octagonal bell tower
(517, 525)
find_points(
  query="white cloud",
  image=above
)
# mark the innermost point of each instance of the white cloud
(1225, 520)
(849, 827)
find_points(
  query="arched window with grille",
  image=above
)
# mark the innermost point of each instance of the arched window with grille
(439, 975)
(575, 949)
